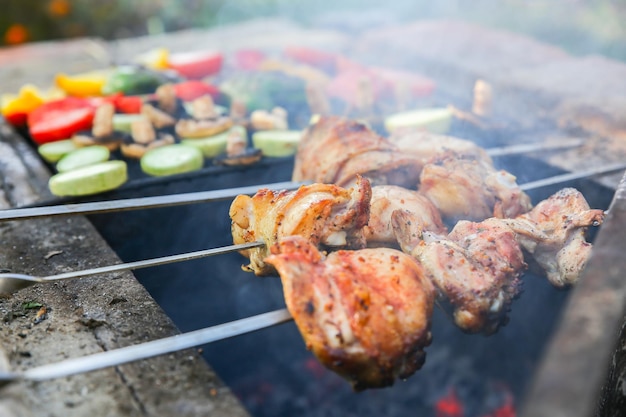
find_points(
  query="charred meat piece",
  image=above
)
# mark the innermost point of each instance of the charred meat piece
(553, 233)
(335, 150)
(428, 146)
(421, 214)
(476, 268)
(464, 187)
(324, 214)
(365, 314)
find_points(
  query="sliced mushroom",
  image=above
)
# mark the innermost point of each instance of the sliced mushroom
(103, 121)
(142, 131)
(112, 142)
(274, 120)
(166, 96)
(158, 118)
(190, 128)
(203, 108)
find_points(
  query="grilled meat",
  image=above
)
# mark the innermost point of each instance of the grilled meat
(335, 150)
(464, 187)
(553, 233)
(476, 268)
(421, 214)
(365, 314)
(428, 146)
(324, 214)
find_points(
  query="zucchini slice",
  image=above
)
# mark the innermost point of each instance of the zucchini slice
(210, 146)
(171, 159)
(122, 122)
(277, 143)
(81, 157)
(435, 120)
(91, 179)
(52, 152)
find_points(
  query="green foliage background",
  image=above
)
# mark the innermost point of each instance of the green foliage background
(580, 26)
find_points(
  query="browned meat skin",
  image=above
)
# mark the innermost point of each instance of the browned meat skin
(428, 146)
(471, 189)
(335, 150)
(365, 314)
(325, 214)
(421, 214)
(476, 268)
(553, 233)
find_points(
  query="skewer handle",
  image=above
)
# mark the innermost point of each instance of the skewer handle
(149, 349)
(140, 202)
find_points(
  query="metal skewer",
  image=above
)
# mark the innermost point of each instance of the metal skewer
(10, 282)
(148, 349)
(533, 147)
(570, 176)
(139, 203)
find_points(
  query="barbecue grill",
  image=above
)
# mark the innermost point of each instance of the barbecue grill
(270, 371)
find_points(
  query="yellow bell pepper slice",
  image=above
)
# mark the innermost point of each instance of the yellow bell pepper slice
(27, 100)
(87, 84)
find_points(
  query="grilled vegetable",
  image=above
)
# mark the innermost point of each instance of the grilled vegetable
(15, 108)
(122, 122)
(83, 85)
(82, 157)
(132, 80)
(171, 159)
(210, 146)
(53, 151)
(88, 180)
(277, 143)
(436, 120)
(196, 65)
(60, 119)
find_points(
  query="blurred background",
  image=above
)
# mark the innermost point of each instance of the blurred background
(579, 26)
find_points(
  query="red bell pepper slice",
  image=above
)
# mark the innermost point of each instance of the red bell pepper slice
(60, 119)
(128, 104)
(16, 119)
(196, 65)
(191, 90)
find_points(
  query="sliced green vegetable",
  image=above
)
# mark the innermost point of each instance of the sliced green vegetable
(132, 80)
(88, 180)
(211, 146)
(122, 122)
(53, 151)
(81, 157)
(435, 120)
(277, 143)
(171, 159)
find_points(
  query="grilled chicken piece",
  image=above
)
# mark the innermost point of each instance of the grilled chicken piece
(335, 150)
(476, 268)
(365, 314)
(325, 214)
(553, 233)
(463, 187)
(421, 214)
(428, 146)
